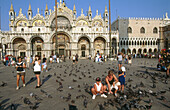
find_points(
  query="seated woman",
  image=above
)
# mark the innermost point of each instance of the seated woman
(98, 89)
(112, 82)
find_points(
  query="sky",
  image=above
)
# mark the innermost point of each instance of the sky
(122, 8)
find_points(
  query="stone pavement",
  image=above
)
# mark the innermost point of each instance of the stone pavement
(66, 84)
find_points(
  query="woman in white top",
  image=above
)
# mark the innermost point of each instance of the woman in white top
(74, 59)
(37, 70)
(20, 67)
(98, 89)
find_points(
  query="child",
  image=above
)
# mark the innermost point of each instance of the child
(98, 89)
(122, 78)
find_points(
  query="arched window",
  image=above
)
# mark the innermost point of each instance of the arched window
(126, 42)
(145, 42)
(140, 42)
(135, 42)
(39, 29)
(142, 30)
(22, 30)
(129, 42)
(155, 30)
(148, 42)
(151, 42)
(132, 43)
(120, 42)
(129, 30)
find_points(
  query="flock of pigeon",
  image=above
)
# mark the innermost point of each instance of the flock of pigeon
(75, 82)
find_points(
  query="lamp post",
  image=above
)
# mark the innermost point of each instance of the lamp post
(110, 53)
(56, 42)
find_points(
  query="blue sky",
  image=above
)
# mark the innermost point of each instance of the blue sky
(125, 8)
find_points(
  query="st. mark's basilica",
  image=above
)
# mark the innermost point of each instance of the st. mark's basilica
(83, 35)
(35, 35)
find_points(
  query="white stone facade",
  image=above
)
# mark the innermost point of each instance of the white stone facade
(81, 35)
(138, 35)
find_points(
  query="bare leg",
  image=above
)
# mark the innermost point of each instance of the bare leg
(23, 79)
(93, 91)
(18, 78)
(122, 88)
(42, 67)
(38, 80)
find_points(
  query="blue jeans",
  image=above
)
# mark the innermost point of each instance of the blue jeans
(7, 63)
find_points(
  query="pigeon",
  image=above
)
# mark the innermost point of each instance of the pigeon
(85, 103)
(13, 107)
(3, 84)
(154, 85)
(27, 101)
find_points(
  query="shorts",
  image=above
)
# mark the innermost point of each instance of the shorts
(122, 80)
(21, 74)
(119, 62)
(76, 59)
(45, 65)
(168, 67)
(115, 86)
(73, 60)
(37, 72)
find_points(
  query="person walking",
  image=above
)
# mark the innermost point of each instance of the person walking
(44, 64)
(76, 58)
(20, 67)
(37, 70)
(28, 62)
(119, 58)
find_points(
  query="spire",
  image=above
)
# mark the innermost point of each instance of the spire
(11, 9)
(89, 8)
(106, 9)
(74, 9)
(29, 9)
(46, 8)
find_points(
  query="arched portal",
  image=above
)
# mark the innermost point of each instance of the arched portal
(155, 50)
(83, 46)
(123, 51)
(100, 45)
(145, 51)
(37, 46)
(114, 46)
(134, 51)
(63, 44)
(139, 51)
(150, 50)
(19, 47)
(128, 51)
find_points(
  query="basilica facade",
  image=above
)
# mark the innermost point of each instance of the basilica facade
(36, 35)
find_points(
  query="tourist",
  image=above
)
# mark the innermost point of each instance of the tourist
(112, 82)
(167, 62)
(44, 63)
(28, 62)
(54, 58)
(13, 61)
(58, 59)
(6, 60)
(119, 58)
(98, 89)
(37, 70)
(20, 67)
(122, 76)
(130, 60)
(51, 59)
(74, 59)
